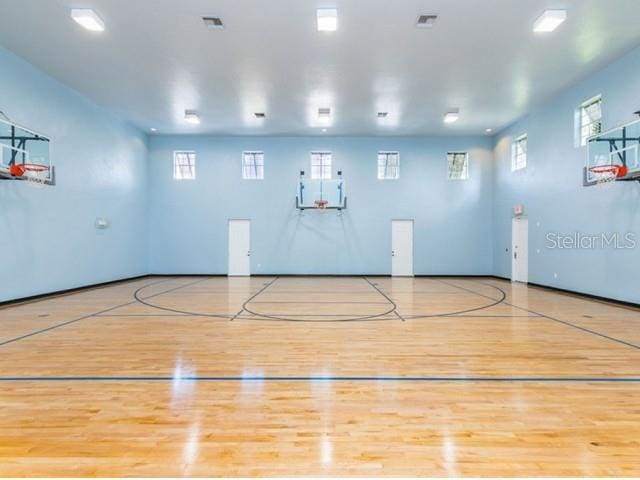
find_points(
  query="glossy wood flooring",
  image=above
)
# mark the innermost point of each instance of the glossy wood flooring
(289, 376)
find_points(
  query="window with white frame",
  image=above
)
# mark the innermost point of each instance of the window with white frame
(321, 165)
(388, 165)
(184, 165)
(519, 153)
(590, 119)
(458, 165)
(253, 165)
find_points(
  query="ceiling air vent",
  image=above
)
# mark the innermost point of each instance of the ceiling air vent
(426, 21)
(324, 112)
(260, 115)
(382, 114)
(213, 22)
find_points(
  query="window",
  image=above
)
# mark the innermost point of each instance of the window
(519, 153)
(458, 165)
(321, 165)
(590, 119)
(253, 165)
(184, 165)
(388, 165)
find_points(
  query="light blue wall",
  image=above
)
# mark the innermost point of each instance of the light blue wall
(188, 219)
(47, 237)
(551, 189)
(159, 225)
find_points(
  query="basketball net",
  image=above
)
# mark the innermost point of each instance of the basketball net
(321, 204)
(606, 175)
(34, 174)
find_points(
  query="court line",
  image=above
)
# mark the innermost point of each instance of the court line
(282, 318)
(569, 324)
(395, 307)
(475, 309)
(328, 303)
(268, 317)
(96, 314)
(184, 315)
(290, 315)
(244, 305)
(136, 295)
(329, 379)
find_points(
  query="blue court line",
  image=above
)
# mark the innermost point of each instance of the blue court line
(328, 379)
(96, 314)
(542, 315)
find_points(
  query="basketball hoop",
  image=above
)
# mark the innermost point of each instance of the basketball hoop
(605, 175)
(321, 204)
(34, 173)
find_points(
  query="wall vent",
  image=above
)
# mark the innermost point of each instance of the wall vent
(213, 22)
(426, 21)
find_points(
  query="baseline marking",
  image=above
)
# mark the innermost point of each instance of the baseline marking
(329, 379)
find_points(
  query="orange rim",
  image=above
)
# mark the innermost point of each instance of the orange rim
(616, 170)
(18, 170)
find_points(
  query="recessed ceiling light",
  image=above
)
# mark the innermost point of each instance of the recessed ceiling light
(191, 117)
(213, 22)
(426, 21)
(260, 115)
(153, 129)
(324, 130)
(382, 114)
(88, 19)
(488, 130)
(549, 20)
(324, 112)
(452, 116)
(327, 19)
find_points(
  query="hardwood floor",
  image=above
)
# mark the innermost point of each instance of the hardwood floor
(215, 376)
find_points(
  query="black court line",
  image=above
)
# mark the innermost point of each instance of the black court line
(285, 318)
(137, 293)
(290, 315)
(322, 379)
(328, 303)
(244, 305)
(461, 312)
(395, 307)
(91, 315)
(230, 315)
(341, 292)
(569, 324)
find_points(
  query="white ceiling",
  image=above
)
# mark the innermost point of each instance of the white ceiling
(156, 59)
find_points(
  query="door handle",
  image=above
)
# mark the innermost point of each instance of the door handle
(393, 253)
(248, 253)
(515, 255)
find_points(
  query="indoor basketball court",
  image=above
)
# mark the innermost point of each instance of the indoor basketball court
(351, 239)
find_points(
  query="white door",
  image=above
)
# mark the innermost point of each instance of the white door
(520, 250)
(239, 247)
(402, 248)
